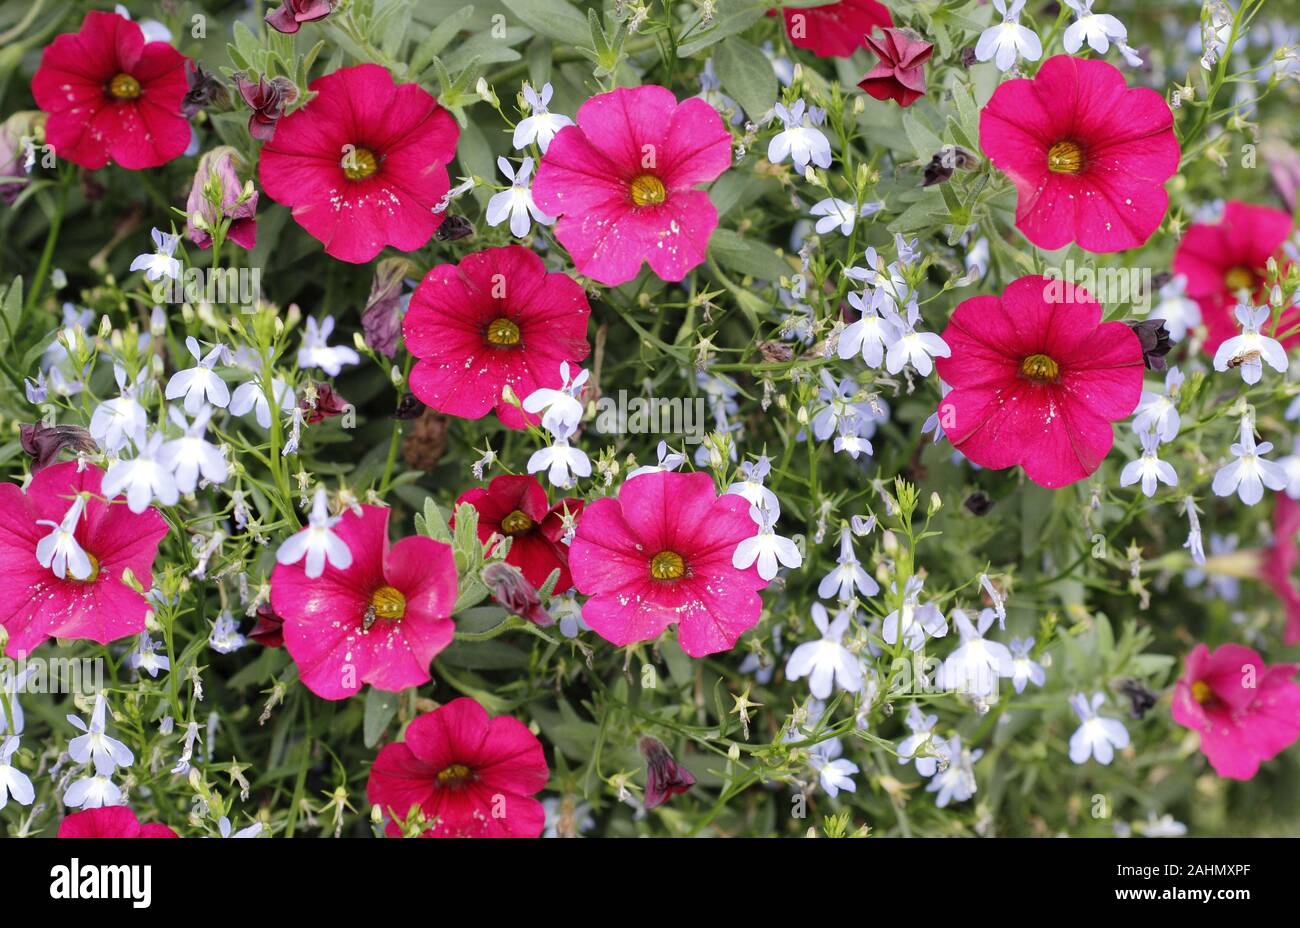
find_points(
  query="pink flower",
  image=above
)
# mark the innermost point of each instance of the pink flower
(1222, 259)
(516, 507)
(900, 73)
(363, 164)
(1037, 380)
(470, 776)
(36, 603)
(289, 16)
(113, 96)
(216, 176)
(660, 554)
(1088, 154)
(380, 621)
(110, 822)
(1246, 711)
(1280, 559)
(836, 29)
(623, 183)
(496, 319)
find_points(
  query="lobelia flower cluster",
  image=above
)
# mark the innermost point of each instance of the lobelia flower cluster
(649, 419)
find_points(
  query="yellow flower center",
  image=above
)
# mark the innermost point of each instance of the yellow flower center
(647, 190)
(502, 332)
(388, 603)
(1040, 368)
(1239, 278)
(124, 87)
(1201, 692)
(516, 523)
(1065, 158)
(359, 163)
(454, 776)
(667, 565)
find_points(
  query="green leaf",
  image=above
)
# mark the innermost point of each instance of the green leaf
(552, 18)
(12, 308)
(380, 709)
(747, 76)
(438, 39)
(725, 24)
(432, 522)
(748, 257)
(924, 142)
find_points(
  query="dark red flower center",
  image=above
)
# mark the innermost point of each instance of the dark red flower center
(516, 523)
(647, 190)
(124, 87)
(359, 163)
(503, 333)
(1065, 157)
(1240, 278)
(667, 565)
(387, 603)
(455, 776)
(1040, 369)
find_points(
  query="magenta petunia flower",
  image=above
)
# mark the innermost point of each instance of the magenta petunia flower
(622, 180)
(660, 554)
(469, 775)
(1037, 379)
(63, 555)
(1245, 710)
(516, 507)
(1221, 260)
(363, 164)
(110, 822)
(835, 29)
(1088, 154)
(496, 319)
(380, 621)
(112, 96)
(1280, 559)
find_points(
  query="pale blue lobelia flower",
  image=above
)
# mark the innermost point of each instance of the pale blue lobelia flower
(800, 141)
(1250, 473)
(847, 576)
(160, 262)
(95, 745)
(1158, 412)
(200, 384)
(834, 772)
(1251, 349)
(1148, 469)
(826, 662)
(316, 351)
(516, 201)
(1008, 42)
(318, 542)
(13, 782)
(1097, 736)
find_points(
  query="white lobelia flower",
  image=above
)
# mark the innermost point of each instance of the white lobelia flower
(200, 383)
(1008, 42)
(1179, 311)
(1024, 669)
(146, 658)
(316, 352)
(59, 551)
(94, 792)
(116, 421)
(191, 455)
(922, 746)
(1096, 736)
(516, 201)
(912, 347)
(541, 125)
(799, 141)
(871, 333)
(143, 478)
(767, 549)
(847, 575)
(956, 781)
(13, 782)
(1148, 469)
(884, 279)
(226, 830)
(841, 214)
(977, 664)
(11, 681)
(318, 542)
(851, 440)
(95, 745)
(917, 622)
(752, 488)
(1248, 350)
(250, 395)
(666, 459)
(563, 409)
(1249, 473)
(1097, 29)
(834, 772)
(159, 263)
(563, 463)
(225, 637)
(826, 662)
(1158, 412)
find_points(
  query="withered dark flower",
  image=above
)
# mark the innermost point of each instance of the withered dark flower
(515, 594)
(1141, 698)
(1155, 342)
(322, 402)
(205, 89)
(453, 229)
(946, 160)
(978, 503)
(269, 630)
(774, 351)
(665, 778)
(44, 442)
(409, 407)
(381, 320)
(268, 100)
